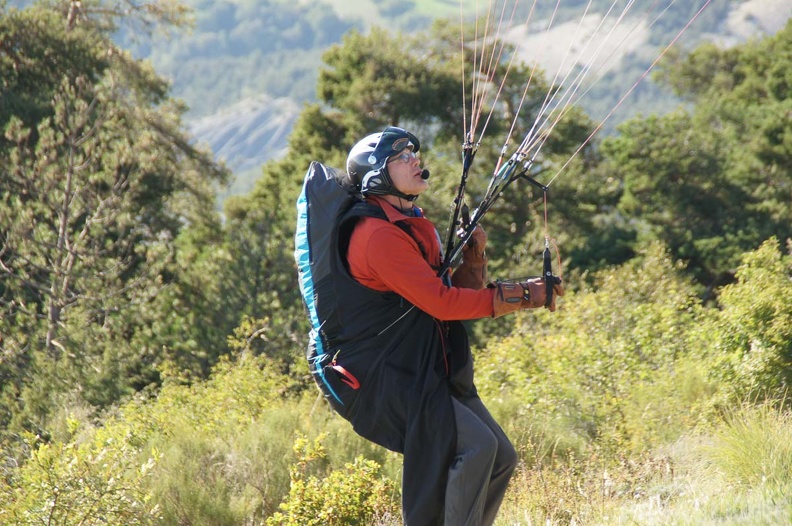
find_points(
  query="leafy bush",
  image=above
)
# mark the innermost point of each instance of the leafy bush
(214, 452)
(102, 481)
(225, 453)
(355, 495)
(754, 338)
(588, 394)
(615, 364)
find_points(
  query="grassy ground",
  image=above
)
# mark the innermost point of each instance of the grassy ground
(735, 474)
(738, 473)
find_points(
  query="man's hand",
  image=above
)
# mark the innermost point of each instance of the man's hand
(536, 293)
(472, 272)
(476, 244)
(528, 294)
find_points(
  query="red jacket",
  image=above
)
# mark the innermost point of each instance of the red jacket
(384, 257)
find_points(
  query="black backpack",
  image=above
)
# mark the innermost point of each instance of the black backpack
(328, 196)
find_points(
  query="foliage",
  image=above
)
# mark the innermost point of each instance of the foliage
(98, 182)
(612, 366)
(590, 395)
(99, 481)
(689, 202)
(259, 280)
(376, 78)
(755, 334)
(609, 405)
(212, 452)
(157, 351)
(224, 454)
(355, 495)
(731, 189)
(178, 439)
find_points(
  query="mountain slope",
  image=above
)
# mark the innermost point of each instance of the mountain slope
(249, 132)
(253, 130)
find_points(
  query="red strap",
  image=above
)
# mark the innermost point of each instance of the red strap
(346, 377)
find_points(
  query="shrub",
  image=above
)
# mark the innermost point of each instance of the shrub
(354, 495)
(615, 364)
(101, 481)
(214, 452)
(224, 449)
(754, 339)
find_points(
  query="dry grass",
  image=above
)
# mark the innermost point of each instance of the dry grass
(739, 473)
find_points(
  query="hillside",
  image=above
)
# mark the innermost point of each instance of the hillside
(744, 21)
(246, 68)
(248, 132)
(241, 129)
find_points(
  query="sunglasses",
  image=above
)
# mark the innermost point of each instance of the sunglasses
(405, 157)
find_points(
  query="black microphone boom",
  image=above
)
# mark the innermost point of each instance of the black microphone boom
(425, 174)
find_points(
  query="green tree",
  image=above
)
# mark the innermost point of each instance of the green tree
(380, 78)
(98, 180)
(676, 188)
(714, 181)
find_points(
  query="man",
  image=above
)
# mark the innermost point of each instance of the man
(400, 368)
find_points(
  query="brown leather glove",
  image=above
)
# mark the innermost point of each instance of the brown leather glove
(529, 294)
(472, 272)
(538, 289)
(474, 248)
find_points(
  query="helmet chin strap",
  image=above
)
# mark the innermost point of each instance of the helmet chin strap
(401, 195)
(392, 189)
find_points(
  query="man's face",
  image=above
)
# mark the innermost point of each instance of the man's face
(404, 169)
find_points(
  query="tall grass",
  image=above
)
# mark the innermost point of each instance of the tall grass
(739, 472)
(755, 446)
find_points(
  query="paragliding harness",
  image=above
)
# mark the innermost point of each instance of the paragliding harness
(327, 210)
(382, 364)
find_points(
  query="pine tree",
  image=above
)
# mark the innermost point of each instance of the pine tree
(98, 181)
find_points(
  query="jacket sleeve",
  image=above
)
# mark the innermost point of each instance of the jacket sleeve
(387, 258)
